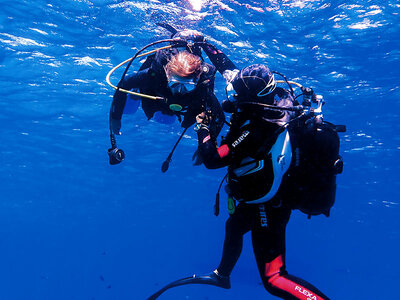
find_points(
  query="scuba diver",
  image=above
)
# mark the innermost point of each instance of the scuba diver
(280, 156)
(181, 86)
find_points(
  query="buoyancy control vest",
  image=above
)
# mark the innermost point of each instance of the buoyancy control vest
(261, 154)
(258, 180)
(298, 169)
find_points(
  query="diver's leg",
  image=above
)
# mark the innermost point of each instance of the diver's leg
(279, 283)
(235, 227)
(269, 249)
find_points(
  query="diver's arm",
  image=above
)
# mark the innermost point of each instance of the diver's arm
(243, 138)
(213, 157)
(218, 59)
(139, 79)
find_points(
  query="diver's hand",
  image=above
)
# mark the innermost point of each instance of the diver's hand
(229, 75)
(190, 35)
(115, 126)
(200, 117)
(203, 118)
(202, 121)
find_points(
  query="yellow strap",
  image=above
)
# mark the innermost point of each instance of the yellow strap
(291, 82)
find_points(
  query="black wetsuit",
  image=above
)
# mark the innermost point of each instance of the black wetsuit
(247, 145)
(151, 79)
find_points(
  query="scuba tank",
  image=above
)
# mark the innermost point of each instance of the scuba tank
(311, 180)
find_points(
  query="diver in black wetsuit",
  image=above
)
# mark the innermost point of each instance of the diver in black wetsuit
(261, 175)
(178, 76)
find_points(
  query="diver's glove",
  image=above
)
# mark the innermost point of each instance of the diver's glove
(190, 35)
(115, 126)
(202, 121)
(230, 75)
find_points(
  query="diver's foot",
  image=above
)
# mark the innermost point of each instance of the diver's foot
(214, 278)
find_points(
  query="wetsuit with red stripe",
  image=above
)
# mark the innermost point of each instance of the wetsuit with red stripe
(249, 139)
(267, 222)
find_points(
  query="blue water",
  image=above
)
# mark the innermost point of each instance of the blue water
(74, 227)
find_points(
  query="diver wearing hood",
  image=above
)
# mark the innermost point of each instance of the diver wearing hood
(182, 79)
(259, 153)
(256, 137)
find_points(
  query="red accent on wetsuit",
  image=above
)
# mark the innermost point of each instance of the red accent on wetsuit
(223, 151)
(274, 267)
(272, 272)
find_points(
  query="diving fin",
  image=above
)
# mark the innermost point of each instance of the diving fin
(168, 27)
(213, 279)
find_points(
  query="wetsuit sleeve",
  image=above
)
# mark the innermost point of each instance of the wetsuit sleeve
(137, 80)
(218, 59)
(213, 157)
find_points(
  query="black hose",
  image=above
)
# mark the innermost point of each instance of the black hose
(274, 107)
(165, 165)
(140, 51)
(290, 86)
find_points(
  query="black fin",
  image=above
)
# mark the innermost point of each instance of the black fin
(212, 279)
(168, 27)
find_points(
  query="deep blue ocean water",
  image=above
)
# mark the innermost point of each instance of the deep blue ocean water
(74, 227)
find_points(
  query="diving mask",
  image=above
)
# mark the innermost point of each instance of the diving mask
(181, 85)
